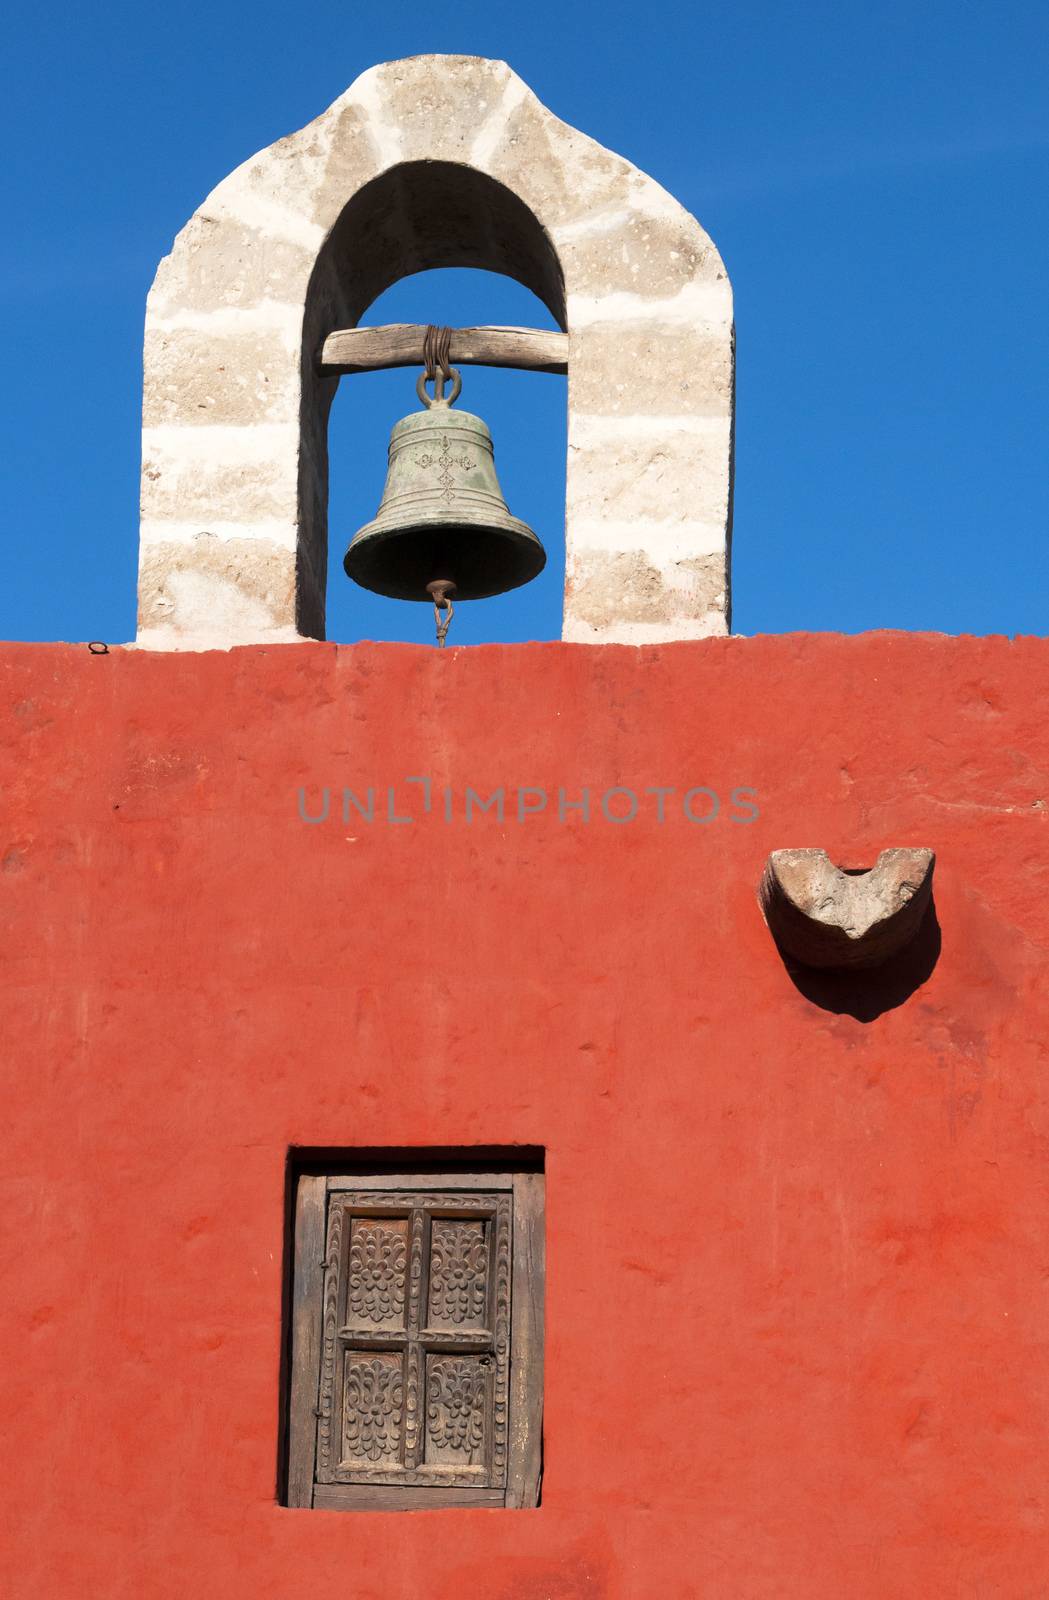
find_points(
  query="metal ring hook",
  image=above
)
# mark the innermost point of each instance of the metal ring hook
(439, 398)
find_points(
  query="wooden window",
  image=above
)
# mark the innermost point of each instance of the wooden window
(417, 1341)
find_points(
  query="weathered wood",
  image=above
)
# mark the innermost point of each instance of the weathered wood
(400, 344)
(414, 1375)
(408, 1385)
(527, 1341)
(378, 1339)
(384, 1497)
(392, 1181)
(305, 1338)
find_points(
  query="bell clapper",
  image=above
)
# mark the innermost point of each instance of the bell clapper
(442, 590)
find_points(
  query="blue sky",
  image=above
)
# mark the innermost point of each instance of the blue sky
(876, 177)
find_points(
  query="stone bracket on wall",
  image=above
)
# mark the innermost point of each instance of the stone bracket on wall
(831, 917)
(435, 161)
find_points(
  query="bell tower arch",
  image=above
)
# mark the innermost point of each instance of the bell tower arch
(430, 162)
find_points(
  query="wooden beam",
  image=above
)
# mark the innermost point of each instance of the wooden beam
(400, 344)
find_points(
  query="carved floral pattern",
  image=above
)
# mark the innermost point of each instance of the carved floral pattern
(330, 1336)
(378, 1258)
(455, 1405)
(373, 1408)
(458, 1271)
(424, 1415)
(500, 1405)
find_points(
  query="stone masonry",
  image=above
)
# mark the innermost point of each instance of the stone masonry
(432, 161)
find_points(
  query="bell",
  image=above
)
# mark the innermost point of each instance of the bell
(442, 526)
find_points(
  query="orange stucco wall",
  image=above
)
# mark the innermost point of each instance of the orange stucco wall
(798, 1234)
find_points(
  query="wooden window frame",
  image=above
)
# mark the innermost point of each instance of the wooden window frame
(520, 1196)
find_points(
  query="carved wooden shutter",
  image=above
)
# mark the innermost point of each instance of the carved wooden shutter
(416, 1379)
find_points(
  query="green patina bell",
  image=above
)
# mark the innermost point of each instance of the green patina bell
(442, 527)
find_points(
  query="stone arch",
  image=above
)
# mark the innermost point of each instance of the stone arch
(433, 161)
(416, 215)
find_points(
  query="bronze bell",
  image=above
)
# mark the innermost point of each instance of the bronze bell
(442, 526)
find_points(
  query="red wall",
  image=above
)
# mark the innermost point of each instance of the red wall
(798, 1293)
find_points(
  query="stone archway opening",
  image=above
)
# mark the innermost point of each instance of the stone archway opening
(527, 413)
(424, 214)
(417, 217)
